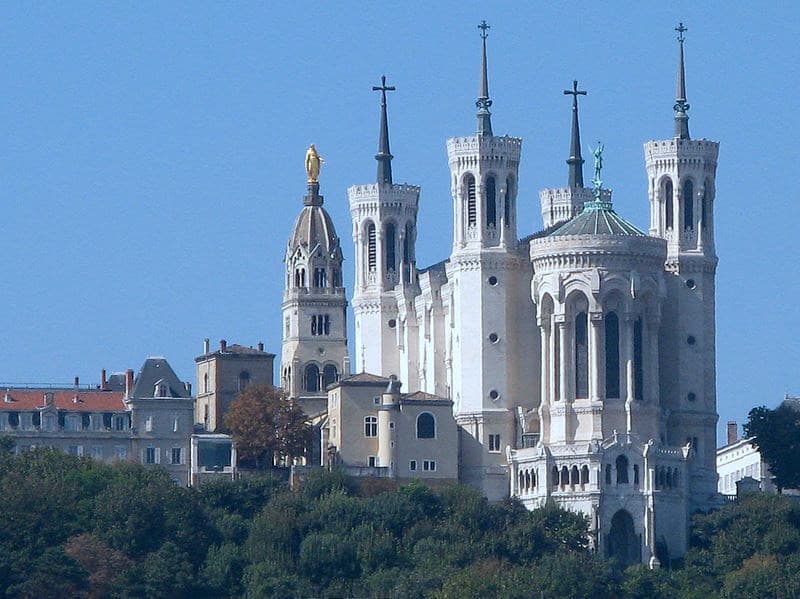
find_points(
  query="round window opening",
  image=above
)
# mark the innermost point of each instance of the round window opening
(493, 280)
(691, 284)
(691, 340)
(392, 323)
(493, 337)
(494, 394)
(691, 396)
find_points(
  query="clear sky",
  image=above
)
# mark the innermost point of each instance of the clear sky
(151, 156)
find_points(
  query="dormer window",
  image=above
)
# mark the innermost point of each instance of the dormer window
(160, 390)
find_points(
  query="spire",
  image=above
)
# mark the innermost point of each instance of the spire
(483, 103)
(384, 157)
(681, 118)
(575, 160)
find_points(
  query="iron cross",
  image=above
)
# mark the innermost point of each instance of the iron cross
(574, 92)
(483, 27)
(383, 88)
(681, 29)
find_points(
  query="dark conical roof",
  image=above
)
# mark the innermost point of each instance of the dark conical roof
(313, 228)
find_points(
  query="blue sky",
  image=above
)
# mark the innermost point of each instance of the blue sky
(151, 157)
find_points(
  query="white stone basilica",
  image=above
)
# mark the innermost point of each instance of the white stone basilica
(580, 360)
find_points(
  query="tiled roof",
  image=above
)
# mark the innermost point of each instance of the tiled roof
(365, 377)
(597, 218)
(421, 395)
(22, 400)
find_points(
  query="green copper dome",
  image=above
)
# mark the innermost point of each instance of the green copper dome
(597, 218)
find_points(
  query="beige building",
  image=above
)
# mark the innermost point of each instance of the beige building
(222, 374)
(373, 429)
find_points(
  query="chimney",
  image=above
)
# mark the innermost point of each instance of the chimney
(77, 382)
(733, 433)
(103, 381)
(260, 346)
(128, 383)
(223, 345)
(188, 386)
(206, 346)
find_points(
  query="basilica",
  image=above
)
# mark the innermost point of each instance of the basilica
(578, 362)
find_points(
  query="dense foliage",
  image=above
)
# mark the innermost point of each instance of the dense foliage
(71, 527)
(776, 434)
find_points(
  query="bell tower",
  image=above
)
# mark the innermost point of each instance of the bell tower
(681, 174)
(384, 216)
(491, 330)
(314, 349)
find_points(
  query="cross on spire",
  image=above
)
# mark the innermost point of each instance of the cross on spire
(575, 160)
(681, 30)
(384, 156)
(483, 103)
(681, 105)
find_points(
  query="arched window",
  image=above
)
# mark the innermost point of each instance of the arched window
(584, 475)
(612, 354)
(311, 378)
(527, 480)
(521, 481)
(491, 202)
(636, 474)
(638, 355)
(244, 380)
(533, 478)
(581, 356)
(426, 426)
(668, 207)
(574, 476)
(507, 202)
(372, 256)
(329, 375)
(608, 474)
(320, 277)
(389, 240)
(297, 277)
(370, 426)
(564, 476)
(622, 470)
(472, 209)
(554, 476)
(205, 383)
(688, 204)
(302, 277)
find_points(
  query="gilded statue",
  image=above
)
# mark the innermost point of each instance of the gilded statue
(313, 162)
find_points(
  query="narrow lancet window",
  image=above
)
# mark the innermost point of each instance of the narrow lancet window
(389, 241)
(581, 357)
(491, 203)
(688, 205)
(372, 256)
(472, 211)
(612, 354)
(668, 207)
(638, 366)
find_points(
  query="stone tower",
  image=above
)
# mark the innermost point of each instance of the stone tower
(314, 350)
(681, 173)
(491, 335)
(384, 218)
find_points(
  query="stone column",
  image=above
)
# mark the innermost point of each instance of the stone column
(544, 331)
(595, 353)
(563, 379)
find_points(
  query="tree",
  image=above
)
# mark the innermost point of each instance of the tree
(776, 434)
(265, 424)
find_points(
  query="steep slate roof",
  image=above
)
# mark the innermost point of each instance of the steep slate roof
(157, 370)
(597, 218)
(26, 400)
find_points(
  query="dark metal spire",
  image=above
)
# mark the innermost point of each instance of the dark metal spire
(384, 157)
(483, 103)
(575, 161)
(681, 106)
